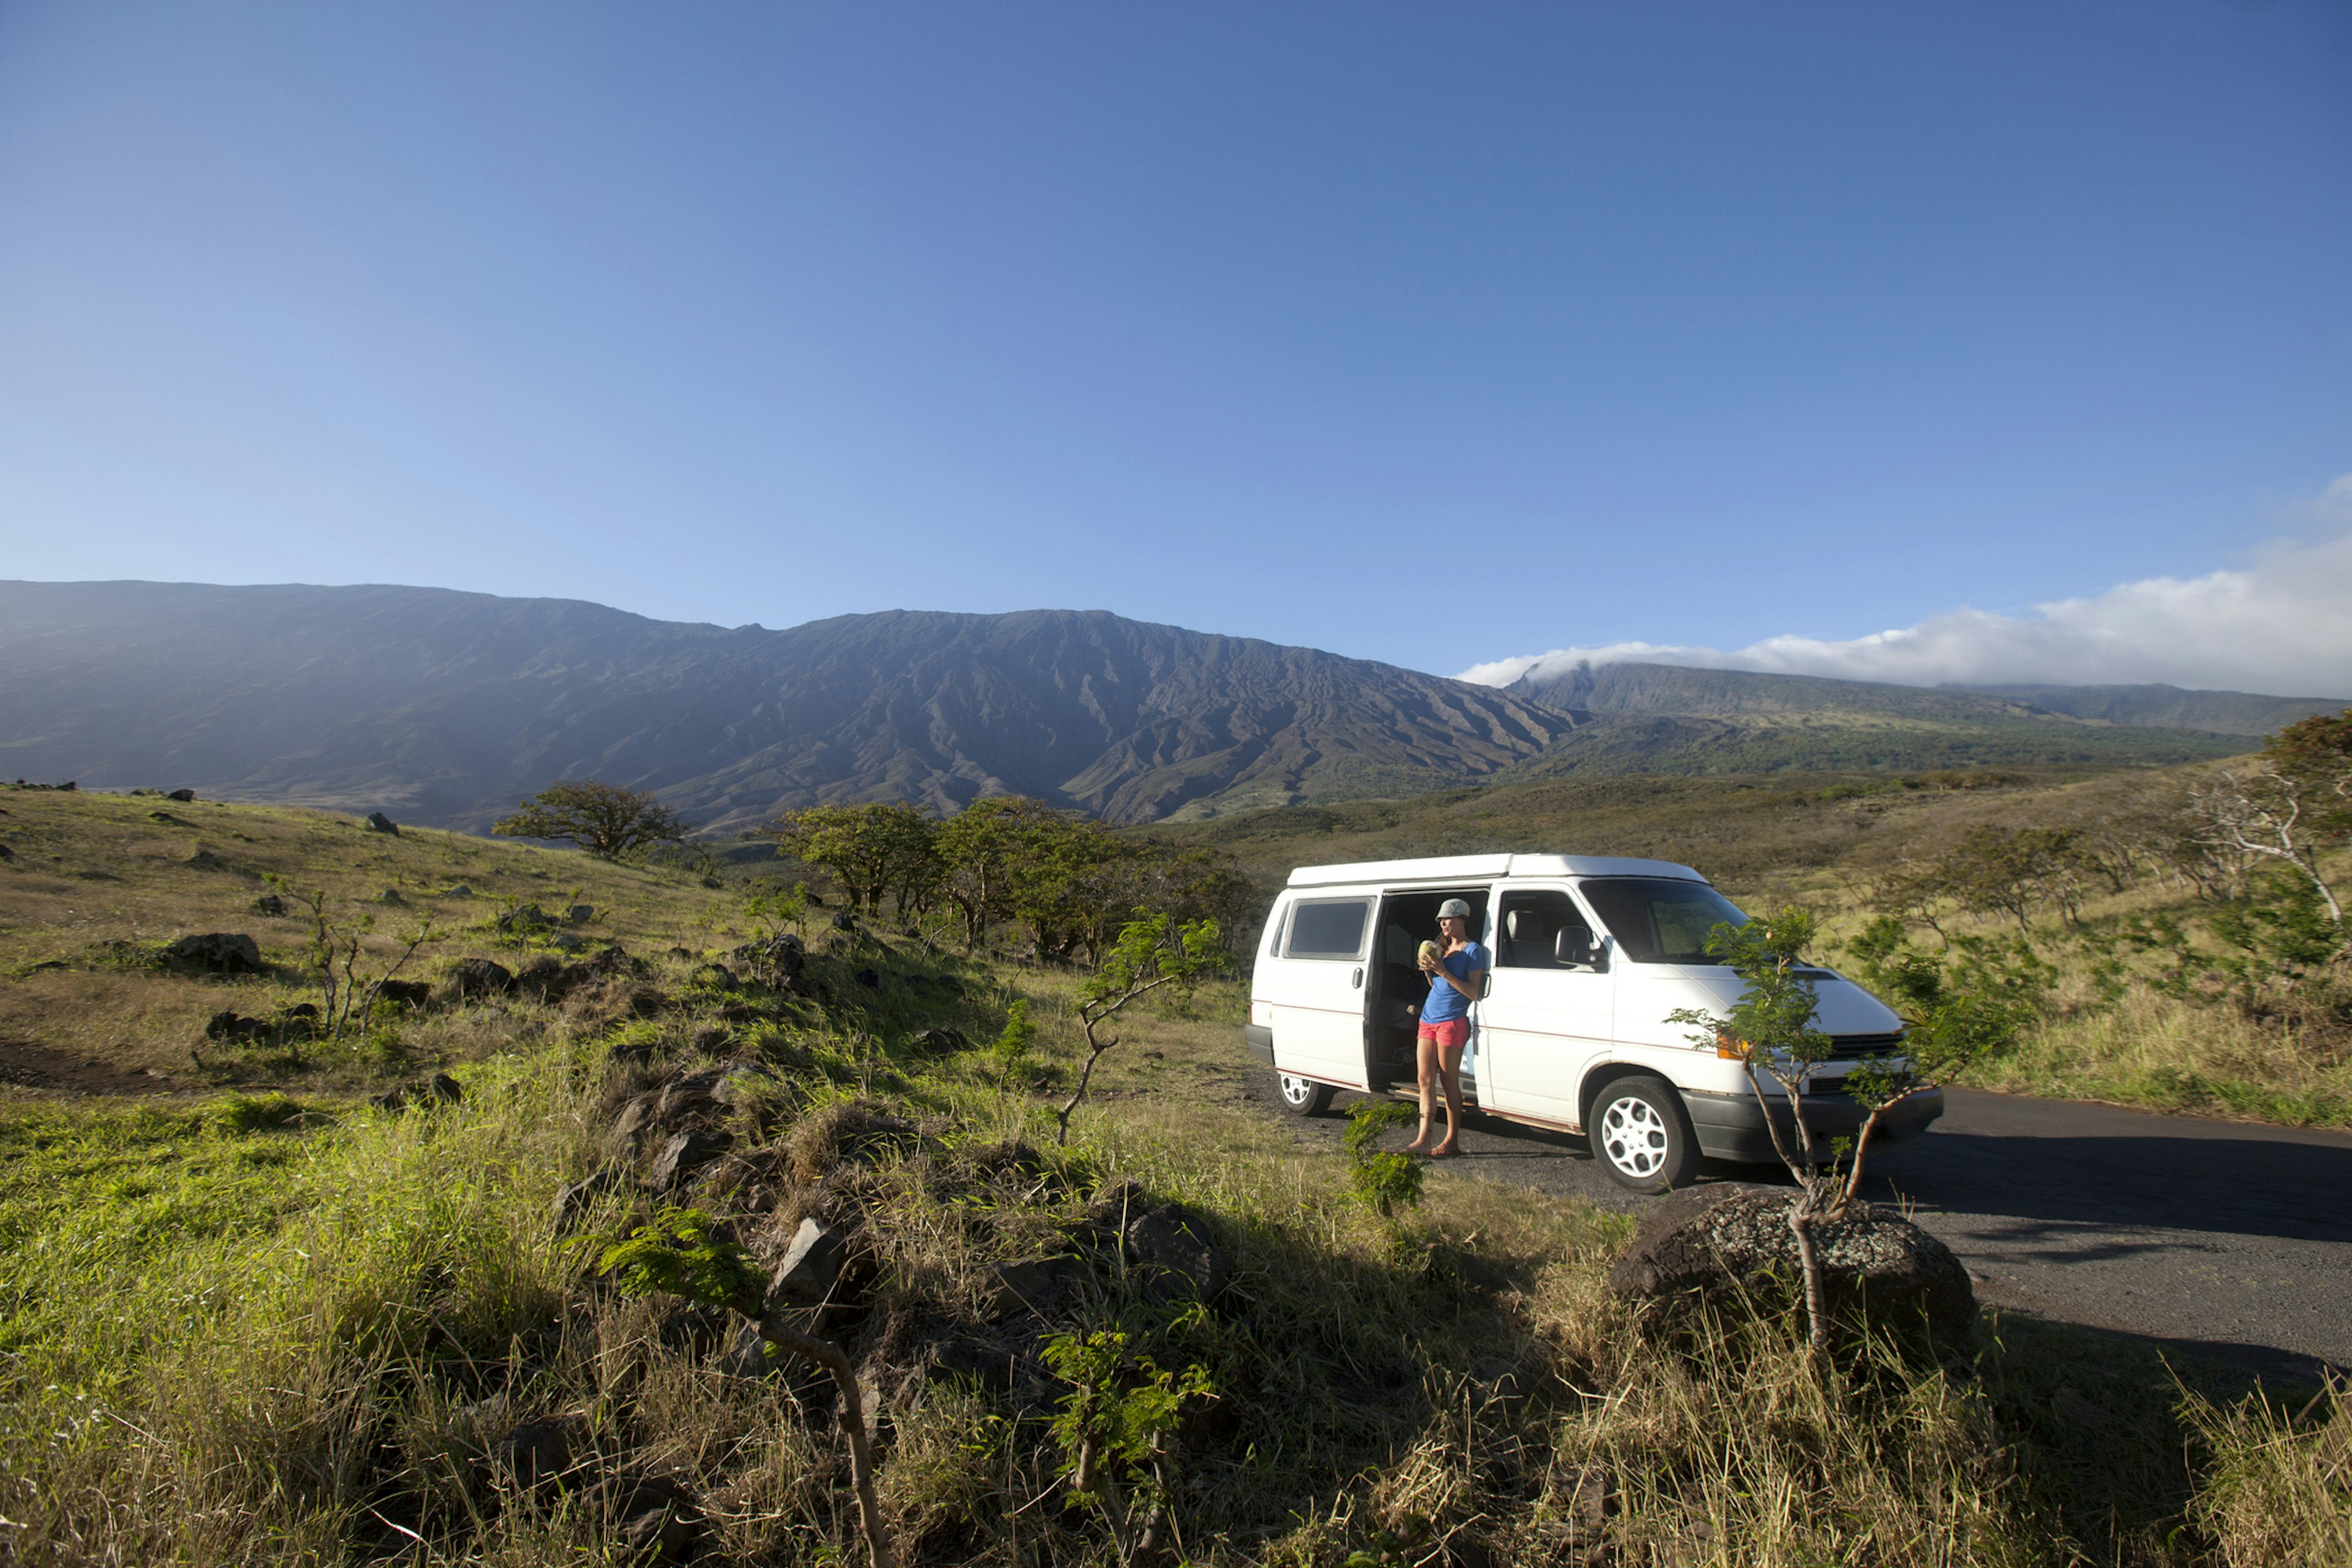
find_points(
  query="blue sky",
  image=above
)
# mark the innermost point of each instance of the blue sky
(1440, 335)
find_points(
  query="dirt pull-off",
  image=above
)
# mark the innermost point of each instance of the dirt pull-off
(28, 1066)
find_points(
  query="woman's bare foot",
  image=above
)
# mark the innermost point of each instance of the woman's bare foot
(1416, 1147)
(1445, 1150)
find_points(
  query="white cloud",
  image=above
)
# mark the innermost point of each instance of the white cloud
(2283, 626)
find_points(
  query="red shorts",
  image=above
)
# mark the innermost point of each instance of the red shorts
(1450, 1035)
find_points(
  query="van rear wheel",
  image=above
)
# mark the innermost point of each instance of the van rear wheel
(1304, 1096)
(1641, 1136)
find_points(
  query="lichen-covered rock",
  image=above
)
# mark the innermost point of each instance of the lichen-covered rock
(538, 1452)
(1172, 1256)
(1040, 1285)
(686, 1153)
(477, 978)
(216, 953)
(235, 1028)
(1730, 1241)
(810, 1266)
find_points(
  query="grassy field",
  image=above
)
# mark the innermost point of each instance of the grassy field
(250, 1317)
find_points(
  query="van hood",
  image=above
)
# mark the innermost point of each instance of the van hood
(1843, 1007)
(1848, 1009)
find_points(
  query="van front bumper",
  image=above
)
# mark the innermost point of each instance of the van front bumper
(1731, 1126)
(1261, 1042)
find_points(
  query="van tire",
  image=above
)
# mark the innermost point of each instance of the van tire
(1304, 1096)
(1641, 1136)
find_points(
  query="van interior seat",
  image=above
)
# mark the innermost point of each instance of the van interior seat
(1531, 936)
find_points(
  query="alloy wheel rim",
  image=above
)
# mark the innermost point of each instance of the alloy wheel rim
(1635, 1136)
(1296, 1090)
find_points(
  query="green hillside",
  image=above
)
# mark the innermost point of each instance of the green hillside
(1835, 740)
(2170, 707)
(1639, 688)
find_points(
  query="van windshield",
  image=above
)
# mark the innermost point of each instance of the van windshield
(1658, 920)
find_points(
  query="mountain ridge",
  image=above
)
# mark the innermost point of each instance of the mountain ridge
(447, 707)
(452, 706)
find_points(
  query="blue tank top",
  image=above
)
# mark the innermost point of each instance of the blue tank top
(1445, 1004)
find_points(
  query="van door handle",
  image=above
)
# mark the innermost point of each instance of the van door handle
(1358, 983)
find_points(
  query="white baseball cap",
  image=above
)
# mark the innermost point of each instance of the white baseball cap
(1454, 909)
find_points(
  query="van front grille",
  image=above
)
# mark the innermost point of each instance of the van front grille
(1852, 1047)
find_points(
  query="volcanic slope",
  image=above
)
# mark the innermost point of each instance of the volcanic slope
(1666, 718)
(447, 707)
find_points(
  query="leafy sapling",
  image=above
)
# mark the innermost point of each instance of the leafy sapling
(1384, 1180)
(1009, 1053)
(1771, 1030)
(1113, 1429)
(335, 952)
(770, 912)
(678, 1255)
(1148, 955)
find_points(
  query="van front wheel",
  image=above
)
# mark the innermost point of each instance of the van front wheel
(1642, 1137)
(1305, 1096)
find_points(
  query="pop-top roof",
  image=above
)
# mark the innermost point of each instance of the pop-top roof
(1471, 868)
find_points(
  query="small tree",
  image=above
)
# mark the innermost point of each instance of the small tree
(2317, 754)
(1114, 1430)
(602, 818)
(1009, 1053)
(335, 952)
(984, 851)
(1146, 957)
(676, 1255)
(1771, 1029)
(2283, 808)
(1384, 1180)
(2008, 870)
(768, 913)
(872, 850)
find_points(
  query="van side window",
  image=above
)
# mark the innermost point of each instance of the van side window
(1527, 929)
(1330, 928)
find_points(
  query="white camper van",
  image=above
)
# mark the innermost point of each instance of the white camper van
(1590, 954)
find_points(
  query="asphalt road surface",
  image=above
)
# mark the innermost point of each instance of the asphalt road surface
(2218, 1238)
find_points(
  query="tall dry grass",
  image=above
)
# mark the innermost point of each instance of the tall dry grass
(2278, 1487)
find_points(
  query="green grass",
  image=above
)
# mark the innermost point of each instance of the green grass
(110, 1203)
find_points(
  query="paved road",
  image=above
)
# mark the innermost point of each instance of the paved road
(2218, 1237)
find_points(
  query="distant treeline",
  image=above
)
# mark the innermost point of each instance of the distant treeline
(1068, 881)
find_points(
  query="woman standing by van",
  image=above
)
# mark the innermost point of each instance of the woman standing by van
(1454, 972)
